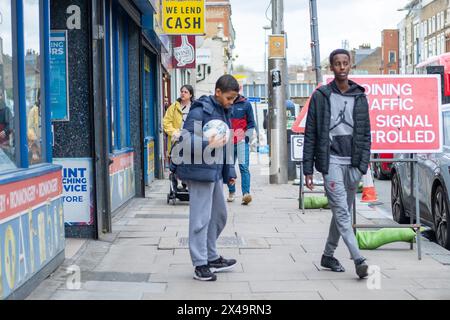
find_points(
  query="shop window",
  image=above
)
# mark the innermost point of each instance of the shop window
(123, 85)
(109, 72)
(147, 89)
(120, 114)
(32, 80)
(7, 105)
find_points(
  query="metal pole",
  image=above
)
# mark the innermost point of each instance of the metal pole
(411, 218)
(265, 64)
(266, 86)
(277, 106)
(300, 188)
(257, 118)
(101, 159)
(354, 215)
(418, 222)
(315, 50)
(277, 16)
(277, 120)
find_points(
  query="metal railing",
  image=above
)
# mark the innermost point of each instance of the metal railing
(414, 186)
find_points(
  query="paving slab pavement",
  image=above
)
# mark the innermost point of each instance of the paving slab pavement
(277, 247)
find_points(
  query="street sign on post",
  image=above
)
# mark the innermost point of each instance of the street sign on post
(297, 147)
(405, 112)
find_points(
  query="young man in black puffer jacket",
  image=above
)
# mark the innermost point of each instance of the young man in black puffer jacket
(337, 143)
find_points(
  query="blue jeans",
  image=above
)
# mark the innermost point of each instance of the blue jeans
(242, 153)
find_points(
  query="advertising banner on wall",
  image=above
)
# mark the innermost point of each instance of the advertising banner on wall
(31, 228)
(405, 112)
(59, 85)
(183, 52)
(77, 196)
(121, 177)
(183, 17)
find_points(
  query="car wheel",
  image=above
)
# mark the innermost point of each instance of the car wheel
(398, 210)
(441, 217)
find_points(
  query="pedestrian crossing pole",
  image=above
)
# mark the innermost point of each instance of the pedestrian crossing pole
(277, 98)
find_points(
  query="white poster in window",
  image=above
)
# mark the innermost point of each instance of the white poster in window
(77, 190)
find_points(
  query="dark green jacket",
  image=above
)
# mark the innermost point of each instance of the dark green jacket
(316, 150)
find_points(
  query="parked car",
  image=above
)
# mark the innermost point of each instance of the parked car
(382, 170)
(434, 183)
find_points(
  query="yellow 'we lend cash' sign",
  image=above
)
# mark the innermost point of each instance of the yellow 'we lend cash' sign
(184, 17)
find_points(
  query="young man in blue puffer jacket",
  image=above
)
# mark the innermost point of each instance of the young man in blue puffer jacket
(205, 179)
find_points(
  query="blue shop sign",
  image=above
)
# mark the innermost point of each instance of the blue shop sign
(59, 89)
(254, 99)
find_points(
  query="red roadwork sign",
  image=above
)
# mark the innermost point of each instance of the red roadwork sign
(405, 112)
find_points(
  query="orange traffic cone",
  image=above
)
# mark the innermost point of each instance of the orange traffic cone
(369, 194)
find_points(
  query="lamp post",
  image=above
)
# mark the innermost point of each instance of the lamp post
(266, 28)
(266, 79)
(315, 50)
(277, 103)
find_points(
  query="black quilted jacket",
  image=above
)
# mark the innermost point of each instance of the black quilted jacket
(316, 151)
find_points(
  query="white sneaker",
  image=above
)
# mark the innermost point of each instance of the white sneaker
(231, 197)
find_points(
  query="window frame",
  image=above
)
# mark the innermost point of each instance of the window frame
(438, 21)
(19, 85)
(433, 24)
(119, 16)
(108, 72)
(18, 161)
(44, 81)
(395, 56)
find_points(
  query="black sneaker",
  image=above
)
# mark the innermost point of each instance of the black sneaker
(203, 273)
(331, 263)
(362, 269)
(221, 264)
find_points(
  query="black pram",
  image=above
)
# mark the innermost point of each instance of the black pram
(175, 193)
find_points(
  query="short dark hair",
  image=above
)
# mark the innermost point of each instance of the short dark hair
(227, 83)
(339, 51)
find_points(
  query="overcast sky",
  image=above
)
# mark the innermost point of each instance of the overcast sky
(358, 21)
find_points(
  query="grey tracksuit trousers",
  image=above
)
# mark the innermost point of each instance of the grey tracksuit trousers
(207, 218)
(341, 184)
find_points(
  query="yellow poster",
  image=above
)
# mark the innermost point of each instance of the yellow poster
(184, 17)
(277, 46)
